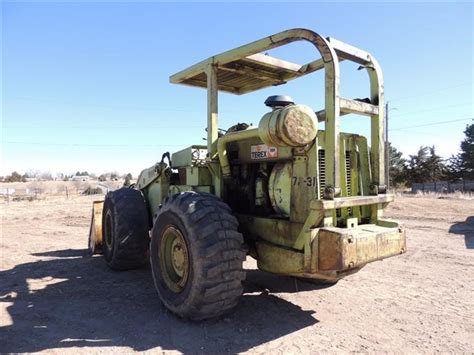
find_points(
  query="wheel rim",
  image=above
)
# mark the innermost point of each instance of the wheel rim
(174, 258)
(108, 230)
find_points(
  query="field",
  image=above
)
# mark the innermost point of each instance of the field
(56, 298)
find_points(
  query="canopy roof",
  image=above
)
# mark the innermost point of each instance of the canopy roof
(243, 75)
(246, 68)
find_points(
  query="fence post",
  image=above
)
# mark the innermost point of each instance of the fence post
(67, 194)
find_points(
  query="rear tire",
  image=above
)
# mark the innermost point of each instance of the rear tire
(125, 229)
(196, 256)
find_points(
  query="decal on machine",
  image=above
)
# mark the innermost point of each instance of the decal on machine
(263, 151)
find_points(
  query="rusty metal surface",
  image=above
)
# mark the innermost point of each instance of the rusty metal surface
(291, 126)
(351, 201)
(246, 69)
(327, 252)
(285, 261)
(95, 232)
(351, 106)
(190, 156)
(359, 107)
(341, 249)
(278, 188)
(232, 137)
(279, 260)
(278, 231)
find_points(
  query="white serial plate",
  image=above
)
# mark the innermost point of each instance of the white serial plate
(263, 151)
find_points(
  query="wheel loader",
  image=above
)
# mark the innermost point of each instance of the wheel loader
(303, 201)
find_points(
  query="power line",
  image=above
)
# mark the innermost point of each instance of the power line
(117, 107)
(433, 109)
(431, 92)
(94, 126)
(420, 133)
(92, 145)
(431, 124)
(180, 145)
(173, 109)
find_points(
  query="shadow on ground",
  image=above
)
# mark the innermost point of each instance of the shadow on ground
(466, 228)
(86, 304)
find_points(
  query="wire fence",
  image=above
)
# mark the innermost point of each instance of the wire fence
(444, 186)
(40, 192)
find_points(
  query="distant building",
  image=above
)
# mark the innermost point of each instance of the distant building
(16, 191)
(80, 178)
(7, 191)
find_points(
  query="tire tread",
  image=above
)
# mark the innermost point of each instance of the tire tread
(130, 229)
(218, 246)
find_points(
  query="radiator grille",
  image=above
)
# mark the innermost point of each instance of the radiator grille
(348, 178)
(322, 172)
(322, 176)
(348, 173)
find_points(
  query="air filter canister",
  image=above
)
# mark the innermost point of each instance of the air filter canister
(292, 125)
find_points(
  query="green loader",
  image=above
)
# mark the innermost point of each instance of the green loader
(302, 201)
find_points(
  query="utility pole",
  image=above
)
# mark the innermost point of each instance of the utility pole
(387, 152)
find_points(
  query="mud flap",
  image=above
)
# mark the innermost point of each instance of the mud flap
(95, 231)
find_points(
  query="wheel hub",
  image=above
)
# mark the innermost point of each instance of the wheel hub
(178, 257)
(174, 258)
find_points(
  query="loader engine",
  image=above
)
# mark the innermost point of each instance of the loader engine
(264, 173)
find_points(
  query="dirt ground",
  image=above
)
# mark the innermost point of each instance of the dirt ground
(55, 298)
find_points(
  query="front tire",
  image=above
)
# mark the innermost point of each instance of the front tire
(196, 256)
(125, 229)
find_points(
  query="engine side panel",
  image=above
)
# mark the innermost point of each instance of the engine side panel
(280, 182)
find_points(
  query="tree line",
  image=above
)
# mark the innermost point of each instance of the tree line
(46, 176)
(427, 166)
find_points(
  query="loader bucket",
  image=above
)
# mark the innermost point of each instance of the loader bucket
(95, 232)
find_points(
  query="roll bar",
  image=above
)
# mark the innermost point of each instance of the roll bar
(245, 69)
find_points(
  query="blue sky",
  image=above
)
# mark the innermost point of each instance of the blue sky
(85, 86)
